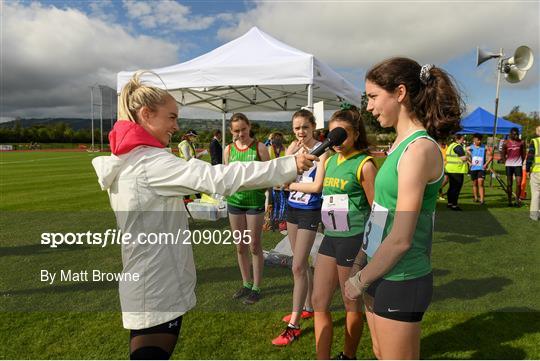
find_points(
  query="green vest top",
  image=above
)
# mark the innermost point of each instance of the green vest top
(246, 199)
(342, 177)
(454, 164)
(416, 262)
(536, 166)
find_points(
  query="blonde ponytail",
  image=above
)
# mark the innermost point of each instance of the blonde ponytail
(135, 95)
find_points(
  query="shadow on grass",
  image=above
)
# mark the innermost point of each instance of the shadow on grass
(440, 272)
(232, 273)
(38, 249)
(471, 223)
(467, 289)
(462, 238)
(75, 287)
(485, 336)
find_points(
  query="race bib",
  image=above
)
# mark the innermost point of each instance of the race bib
(300, 197)
(478, 161)
(334, 212)
(373, 234)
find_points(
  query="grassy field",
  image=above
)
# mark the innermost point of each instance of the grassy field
(486, 299)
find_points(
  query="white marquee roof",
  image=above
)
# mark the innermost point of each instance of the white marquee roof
(254, 72)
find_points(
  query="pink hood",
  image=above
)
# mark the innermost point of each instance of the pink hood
(127, 135)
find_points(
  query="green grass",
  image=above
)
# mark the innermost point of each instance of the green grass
(486, 300)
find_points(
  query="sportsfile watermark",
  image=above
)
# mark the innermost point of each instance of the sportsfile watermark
(82, 261)
(118, 237)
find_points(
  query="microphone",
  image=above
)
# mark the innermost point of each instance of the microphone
(335, 137)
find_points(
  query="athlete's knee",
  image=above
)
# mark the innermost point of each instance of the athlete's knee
(149, 353)
(299, 270)
(319, 302)
(242, 249)
(353, 308)
(255, 248)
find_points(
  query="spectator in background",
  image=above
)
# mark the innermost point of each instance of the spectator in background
(216, 151)
(456, 168)
(513, 154)
(186, 149)
(480, 160)
(277, 195)
(268, 141)
(533, 169)
(442, 147)
(276, 148)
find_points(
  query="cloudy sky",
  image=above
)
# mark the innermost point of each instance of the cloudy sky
(53, 51)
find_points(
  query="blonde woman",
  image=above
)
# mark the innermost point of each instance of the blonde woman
(145, 184)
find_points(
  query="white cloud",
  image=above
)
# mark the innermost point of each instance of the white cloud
(51, 56)
(166, 14)
(104, 10)
(359, 34)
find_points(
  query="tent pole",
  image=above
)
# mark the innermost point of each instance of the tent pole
(310, 97)
(223, 134)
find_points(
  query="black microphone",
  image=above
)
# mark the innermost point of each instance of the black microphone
(335, 137)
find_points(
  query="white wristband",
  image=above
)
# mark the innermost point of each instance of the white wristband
(355, 282)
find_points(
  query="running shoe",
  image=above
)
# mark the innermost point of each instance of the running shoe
(253, 297)
(289, 335)
(342, 356)
(305, 314)
(241, 293)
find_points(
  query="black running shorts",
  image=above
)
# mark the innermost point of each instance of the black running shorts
(476, 174)
(405, 301)
(305, 218)
(172, 327)
(517, 171)
(343, 249)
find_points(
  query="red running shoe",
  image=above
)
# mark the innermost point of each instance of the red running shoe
(305, 314)
(289, 335)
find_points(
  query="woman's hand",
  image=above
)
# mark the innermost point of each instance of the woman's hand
(353, 287)
(304, 162)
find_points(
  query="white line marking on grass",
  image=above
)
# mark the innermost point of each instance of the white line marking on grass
(36, 160)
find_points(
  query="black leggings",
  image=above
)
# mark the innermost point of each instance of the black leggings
(456, 182)
(155, 343)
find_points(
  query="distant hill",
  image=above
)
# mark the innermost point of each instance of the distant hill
(74, 123)
(82, 123)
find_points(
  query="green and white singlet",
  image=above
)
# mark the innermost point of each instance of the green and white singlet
(246, 199)
(417, 261)
(345, 207)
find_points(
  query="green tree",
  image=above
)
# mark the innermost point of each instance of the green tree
(529, 122)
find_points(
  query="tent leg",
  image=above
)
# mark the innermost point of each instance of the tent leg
(223, 136)
(310, 97)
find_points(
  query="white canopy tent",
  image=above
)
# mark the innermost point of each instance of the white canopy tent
(254, 72)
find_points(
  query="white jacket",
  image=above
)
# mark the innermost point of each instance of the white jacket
(145, 188)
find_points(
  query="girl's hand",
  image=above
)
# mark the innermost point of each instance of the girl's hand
(352, 290)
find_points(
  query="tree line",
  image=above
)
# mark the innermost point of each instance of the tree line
(61, 132)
